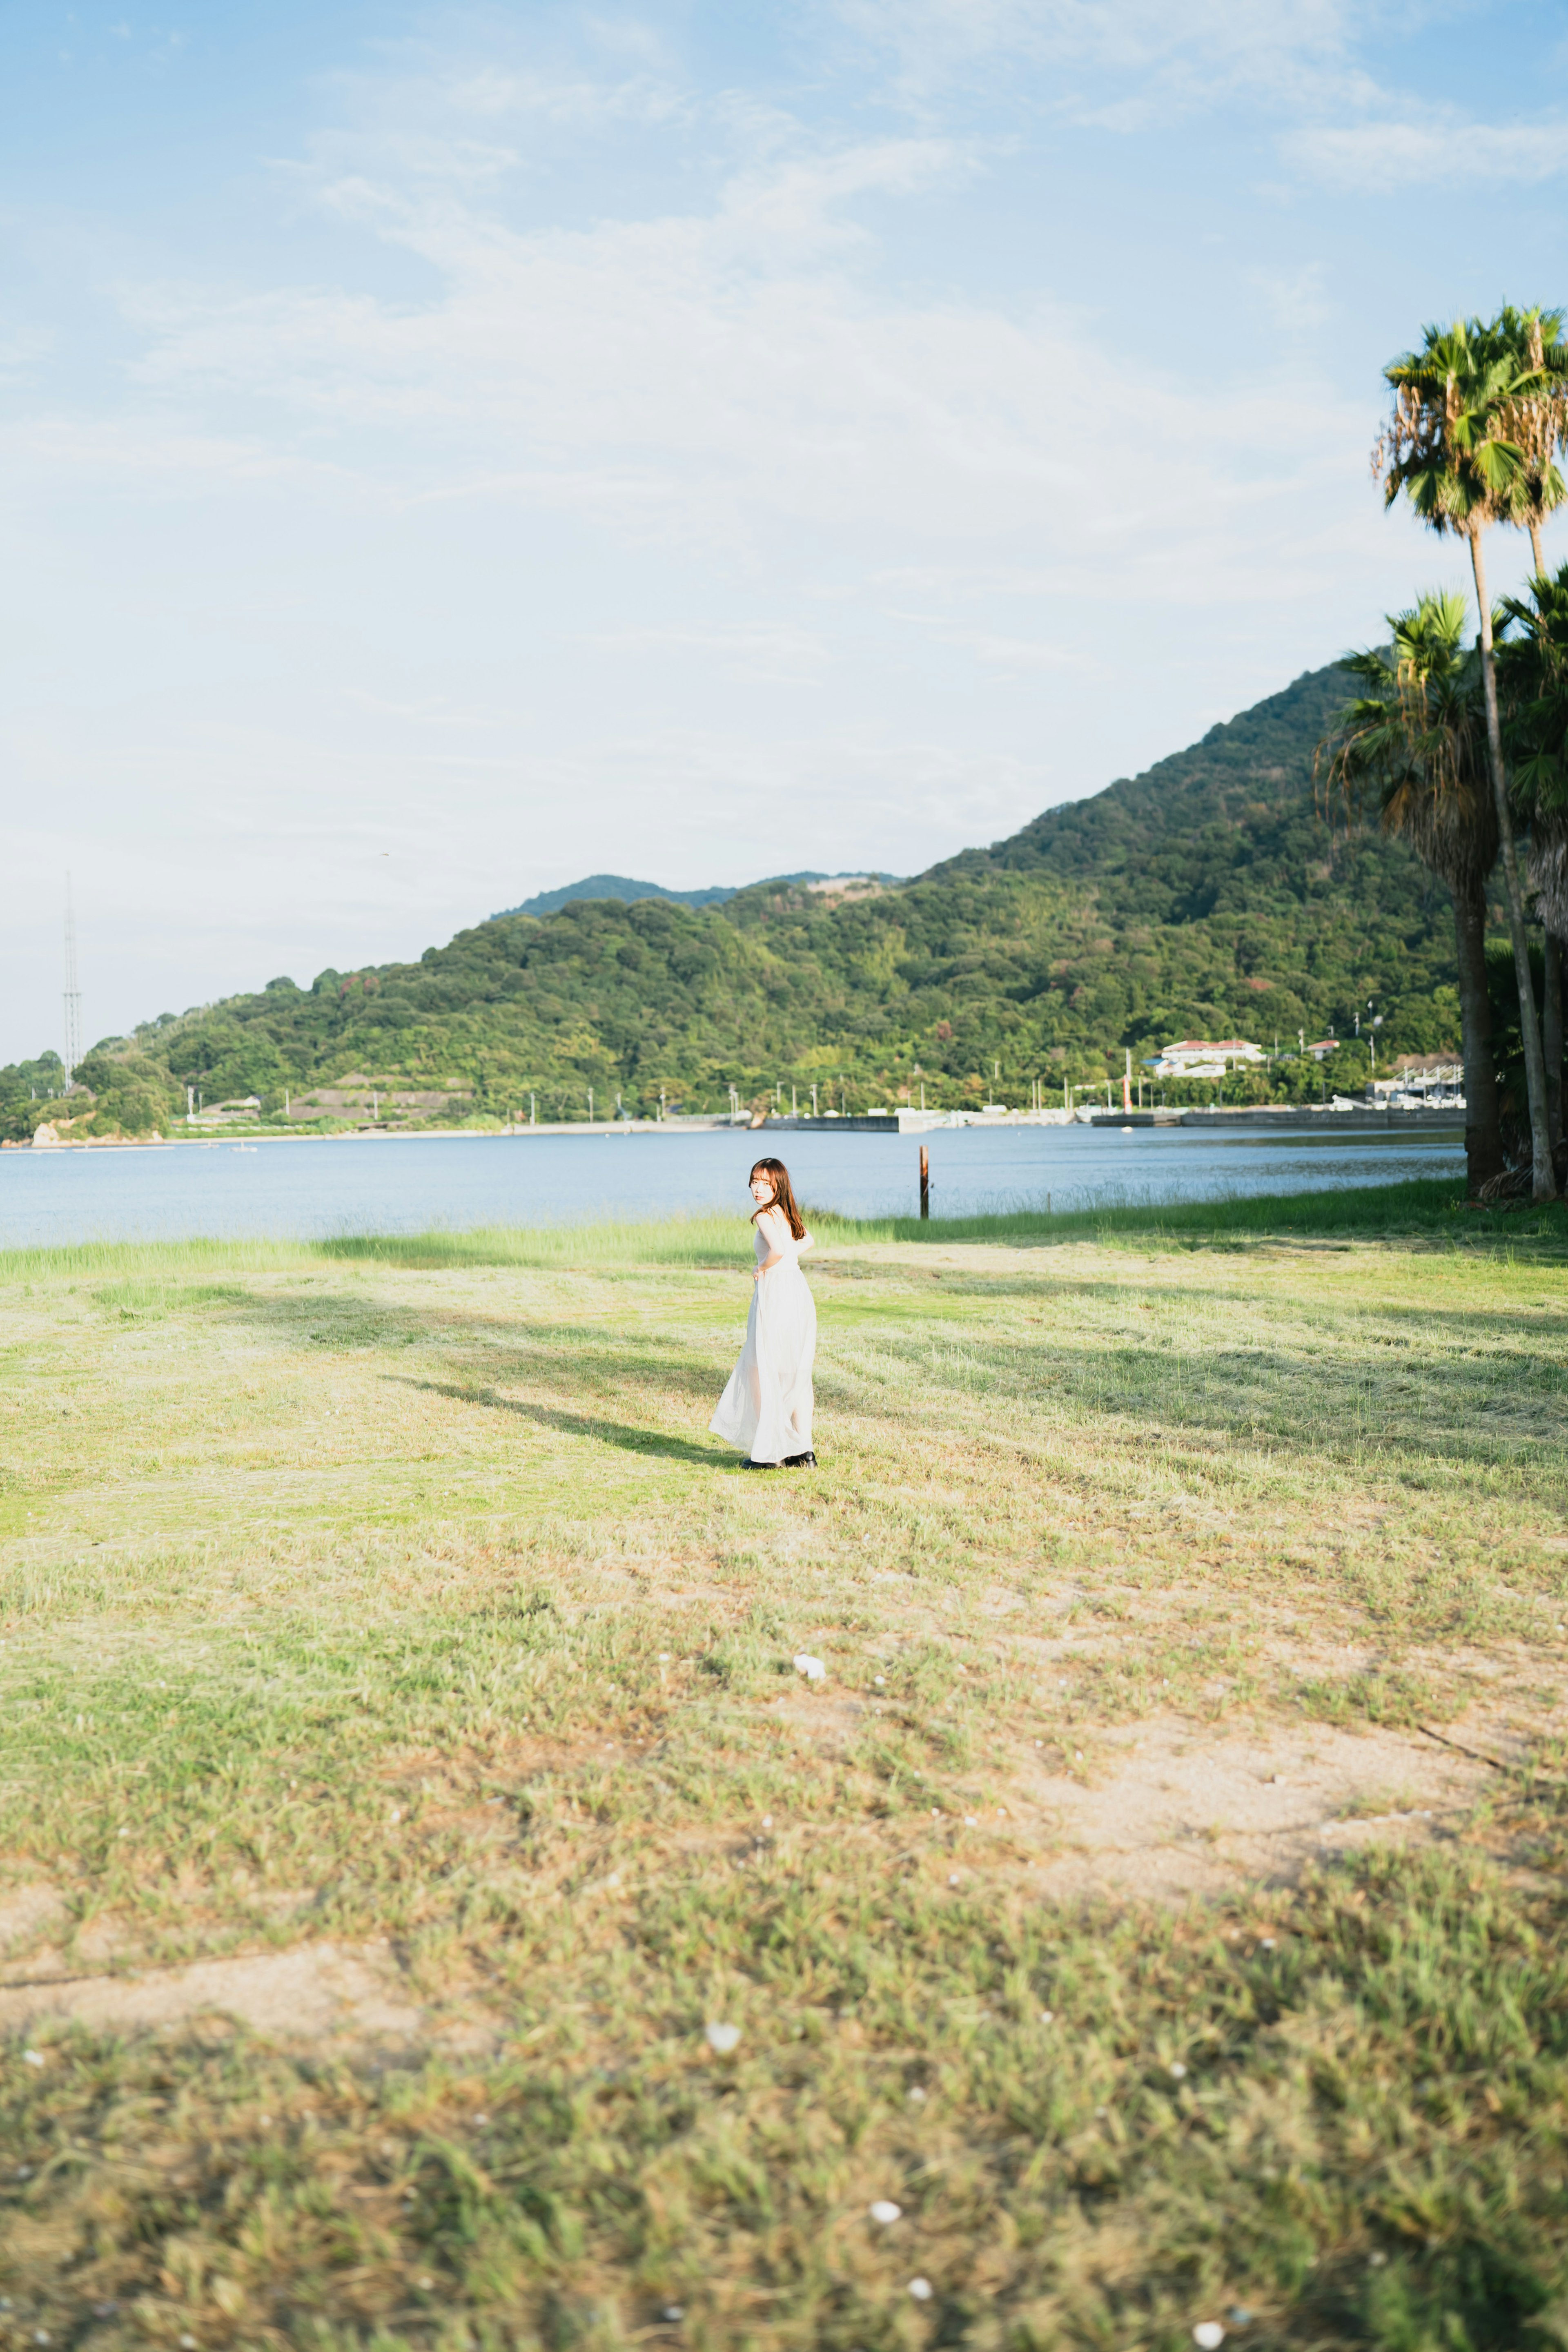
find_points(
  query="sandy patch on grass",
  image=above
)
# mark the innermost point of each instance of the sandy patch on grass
(25, 1910)
(1168, 1809)
(316, 1992)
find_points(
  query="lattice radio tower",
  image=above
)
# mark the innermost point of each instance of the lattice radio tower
(73, 994)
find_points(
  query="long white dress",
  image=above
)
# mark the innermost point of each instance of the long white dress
(765, 1408)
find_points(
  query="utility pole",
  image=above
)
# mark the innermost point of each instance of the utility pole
(72, 992)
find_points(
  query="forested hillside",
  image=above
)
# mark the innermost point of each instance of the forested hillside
(1205, 896)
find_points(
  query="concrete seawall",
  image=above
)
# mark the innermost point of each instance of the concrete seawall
(1362, 1118)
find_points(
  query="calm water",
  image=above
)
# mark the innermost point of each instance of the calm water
(319, 1187)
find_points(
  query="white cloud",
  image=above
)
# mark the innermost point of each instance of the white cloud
(1383, 155)
(730, 378)
(1188, 52)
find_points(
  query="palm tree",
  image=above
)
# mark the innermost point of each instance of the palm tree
(1417, 737)
(1536, 425)
(1532, 673)
(1445, 447)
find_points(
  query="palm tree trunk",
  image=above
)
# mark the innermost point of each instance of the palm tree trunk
(1535, 551)
(1552, 1036)
(1544, 1174)
(1483, 1132)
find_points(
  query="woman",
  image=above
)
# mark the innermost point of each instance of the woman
(765, 1409)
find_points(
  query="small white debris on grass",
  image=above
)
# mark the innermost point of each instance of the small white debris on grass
(884, 2211)
(722, 2038)
(1177, 2071)
(1208, 2335)
(917, 2094)
(920, 2289)
(1048, 2016)
(1268, 1943)
(805, 1663)
(881, 1681)
(673, 2311)
(970, 1823)
(34, 2057)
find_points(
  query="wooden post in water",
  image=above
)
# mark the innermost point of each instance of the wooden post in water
(924, 1183)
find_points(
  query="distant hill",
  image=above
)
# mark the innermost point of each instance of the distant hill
(622, 886)
(614, 886)
(1203, 898)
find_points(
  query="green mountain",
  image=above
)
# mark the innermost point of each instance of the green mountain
(1205, 896)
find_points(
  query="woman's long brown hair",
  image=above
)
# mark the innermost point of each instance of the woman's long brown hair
(783, 1196)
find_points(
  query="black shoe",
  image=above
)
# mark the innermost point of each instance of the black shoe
(760, 1465)
(799, 1462)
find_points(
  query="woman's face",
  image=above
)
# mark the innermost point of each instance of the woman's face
(761, 1187)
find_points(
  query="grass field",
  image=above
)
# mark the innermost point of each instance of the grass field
(1158, 1898)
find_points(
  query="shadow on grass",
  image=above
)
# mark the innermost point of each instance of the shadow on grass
(512, 1346)
(618, 1433)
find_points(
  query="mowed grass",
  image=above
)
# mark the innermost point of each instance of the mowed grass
(391, 1595)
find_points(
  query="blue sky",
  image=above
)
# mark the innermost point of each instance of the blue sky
(447, 451)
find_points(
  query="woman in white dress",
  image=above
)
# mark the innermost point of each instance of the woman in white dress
(765, 1408)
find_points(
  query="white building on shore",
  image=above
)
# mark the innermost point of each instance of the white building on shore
(1200, 1058)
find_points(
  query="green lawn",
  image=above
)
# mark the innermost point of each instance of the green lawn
(385, 1608)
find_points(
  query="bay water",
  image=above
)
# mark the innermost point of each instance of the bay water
(316, 1188)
